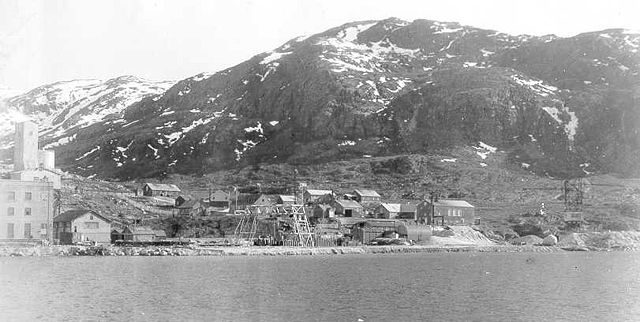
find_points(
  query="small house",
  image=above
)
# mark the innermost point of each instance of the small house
(82, 225)
(159, 235)
(446, 212)
(116, 234)
(181, 199)
(316, 196)
(387, 210)
(347, 208)
(191, 208)
(138, 233)
(286, 200)
(219, 199)
(160, 189)
(256, 202)
(366, 196)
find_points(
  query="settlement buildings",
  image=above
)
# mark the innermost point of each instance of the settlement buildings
(446, 212)
(28, 199)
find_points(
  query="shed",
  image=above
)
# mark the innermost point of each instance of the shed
(116, 234)
(160, 189)
(182, 199)
(347, 208)
(415, 232)
(138, 233)
(369, 230)
(159, 234)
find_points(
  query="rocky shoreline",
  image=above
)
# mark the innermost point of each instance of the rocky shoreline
(274, 251)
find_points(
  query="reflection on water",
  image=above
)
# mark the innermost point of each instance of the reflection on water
(462, 286)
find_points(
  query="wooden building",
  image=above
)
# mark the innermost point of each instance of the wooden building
(316, 196)
(219, 199)
(80, 226)
(369, 230)
(286, 200)
(323, 211)
(181, 199)
(257, 202)
(366, 196)
(446, 212)
(138, 233)
(347, 208)
(192, 207)
(160, 189)
(396, 211)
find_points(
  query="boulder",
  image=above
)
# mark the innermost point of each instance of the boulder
(550, 240)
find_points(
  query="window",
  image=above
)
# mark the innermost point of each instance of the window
(91, 217)
(27, 195)
(11, 196)
(91, 225)
(11, 211)
(27, 211)
(27, 230)
(10, 231)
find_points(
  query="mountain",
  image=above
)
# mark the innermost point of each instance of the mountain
(557, 106)
(63, 108)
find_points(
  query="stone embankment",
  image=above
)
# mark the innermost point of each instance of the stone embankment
(253, 251)
(460, 242)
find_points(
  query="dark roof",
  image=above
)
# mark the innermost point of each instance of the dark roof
(71, 215)
(189, 204)
(348, 203)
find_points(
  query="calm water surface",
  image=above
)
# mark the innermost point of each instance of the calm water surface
(412, 287)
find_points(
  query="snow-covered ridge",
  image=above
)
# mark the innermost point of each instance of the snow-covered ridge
(60, 107)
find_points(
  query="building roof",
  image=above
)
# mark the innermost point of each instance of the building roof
(366, 193)
(408, 207)
(287, 198)
(193, 203)
(318, 192)
(139, 230)
(391, 207)
(160, 233)
(453, 203)
(348, 203)
(163, 187)
(71, 215)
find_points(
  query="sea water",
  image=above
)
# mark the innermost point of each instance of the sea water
(563, 286)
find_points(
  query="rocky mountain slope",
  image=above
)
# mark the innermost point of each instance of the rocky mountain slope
(557, 106)
(62, 108)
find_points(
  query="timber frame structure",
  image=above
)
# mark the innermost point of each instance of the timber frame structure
(293, 216)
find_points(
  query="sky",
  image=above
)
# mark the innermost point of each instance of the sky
(44, 41)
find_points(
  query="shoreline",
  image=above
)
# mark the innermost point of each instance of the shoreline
(67, 250)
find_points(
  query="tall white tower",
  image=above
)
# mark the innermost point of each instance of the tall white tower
(25, 154)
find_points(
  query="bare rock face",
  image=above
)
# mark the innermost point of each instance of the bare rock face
(562, 106)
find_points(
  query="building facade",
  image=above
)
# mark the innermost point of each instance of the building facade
(81, 226)
(27, 210)
(446, 212)
(366, 196)
(160, 189)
